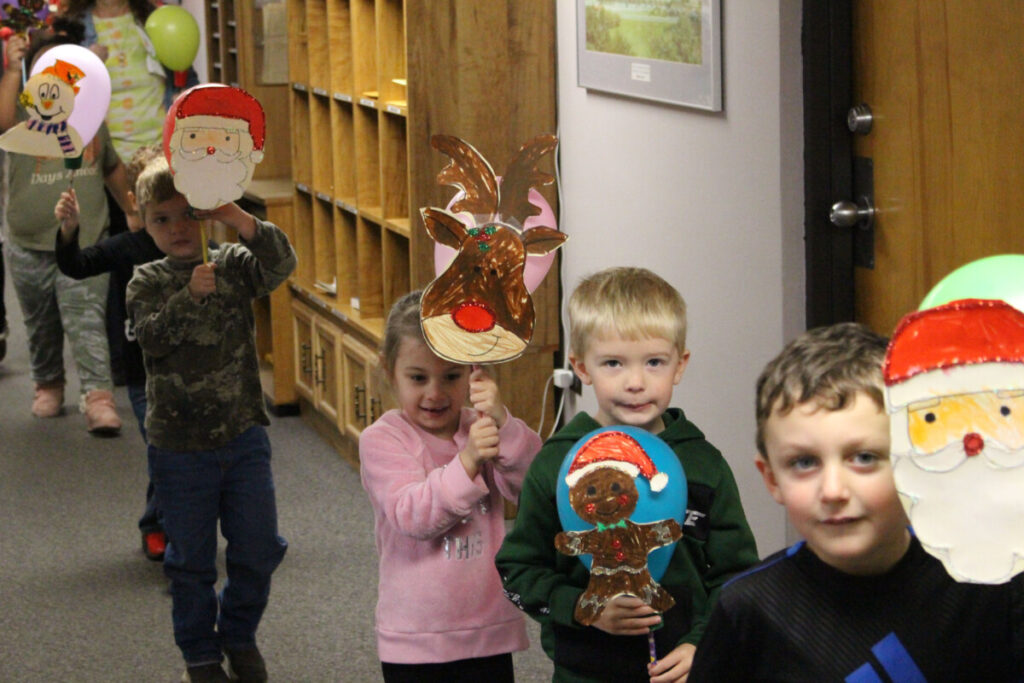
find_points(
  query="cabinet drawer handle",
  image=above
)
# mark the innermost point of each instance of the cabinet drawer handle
(357, 403)
(304, 359)
(374, 402)
(321, 368)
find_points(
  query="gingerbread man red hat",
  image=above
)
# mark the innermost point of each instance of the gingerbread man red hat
(975, 343)
(619, 451)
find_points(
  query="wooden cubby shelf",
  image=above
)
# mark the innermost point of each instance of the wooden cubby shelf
(369, 82)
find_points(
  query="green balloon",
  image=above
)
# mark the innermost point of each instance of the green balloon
(175, 36)
(992, 277)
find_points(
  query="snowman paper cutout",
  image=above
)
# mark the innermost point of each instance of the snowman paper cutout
(49, 99)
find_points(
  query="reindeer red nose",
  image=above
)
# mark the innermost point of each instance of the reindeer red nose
(973, 444)
(473, 316)
(211, 150)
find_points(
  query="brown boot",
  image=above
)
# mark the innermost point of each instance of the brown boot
(100, 413)
(49, 400)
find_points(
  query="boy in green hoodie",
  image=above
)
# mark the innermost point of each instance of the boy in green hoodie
(628, 341)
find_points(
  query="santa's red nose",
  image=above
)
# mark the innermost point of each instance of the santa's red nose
(973, 444)
(473, 316)
(211, 149)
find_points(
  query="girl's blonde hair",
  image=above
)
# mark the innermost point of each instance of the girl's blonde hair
(403, 322)
(631, 302)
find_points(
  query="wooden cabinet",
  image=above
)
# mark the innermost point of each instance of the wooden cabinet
(246, 48)
(370, 82)
(318, 362)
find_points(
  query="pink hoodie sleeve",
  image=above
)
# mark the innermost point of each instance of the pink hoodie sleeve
(418, 498)
(518, 446)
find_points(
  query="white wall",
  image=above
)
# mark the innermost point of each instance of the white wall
(196, 9)
(711, 202)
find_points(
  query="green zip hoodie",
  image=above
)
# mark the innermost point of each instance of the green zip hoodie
(717, 543)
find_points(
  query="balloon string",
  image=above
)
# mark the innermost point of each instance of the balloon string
(651, 648)
(202, 236)
(71, 180)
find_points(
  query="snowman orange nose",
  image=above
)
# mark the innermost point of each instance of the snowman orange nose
(973, 444)
(47, 104)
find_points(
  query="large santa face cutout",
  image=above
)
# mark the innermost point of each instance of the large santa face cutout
(954, 379)
(213, 139)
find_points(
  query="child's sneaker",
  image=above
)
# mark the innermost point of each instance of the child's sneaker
(49, 400)
(246, 665)
(205, 673)
(154, 544)
(100, 414)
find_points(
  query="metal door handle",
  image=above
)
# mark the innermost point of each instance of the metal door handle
(859, 119)
(847, 214)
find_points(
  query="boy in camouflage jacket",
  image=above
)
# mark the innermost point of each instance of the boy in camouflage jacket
(208, 451)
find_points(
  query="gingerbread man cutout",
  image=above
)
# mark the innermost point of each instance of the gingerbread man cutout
(602, 492)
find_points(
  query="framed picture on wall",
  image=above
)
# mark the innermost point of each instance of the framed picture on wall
(662, 50)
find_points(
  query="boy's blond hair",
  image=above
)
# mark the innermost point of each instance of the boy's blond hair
(140, 159)
(828, 365)
(633, 303)
(155, 184)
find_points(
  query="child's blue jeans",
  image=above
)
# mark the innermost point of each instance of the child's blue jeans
(234, 484)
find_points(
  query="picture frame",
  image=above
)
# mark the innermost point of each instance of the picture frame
(667, 51)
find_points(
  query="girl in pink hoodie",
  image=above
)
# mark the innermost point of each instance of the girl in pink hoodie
(436, 472)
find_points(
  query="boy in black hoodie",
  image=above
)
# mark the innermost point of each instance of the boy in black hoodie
(628, 341)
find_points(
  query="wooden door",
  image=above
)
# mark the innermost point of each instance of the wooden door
(326, 368)
(302, 329)
(945, 82)
(356, 361)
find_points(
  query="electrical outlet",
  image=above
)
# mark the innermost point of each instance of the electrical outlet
(567, 379)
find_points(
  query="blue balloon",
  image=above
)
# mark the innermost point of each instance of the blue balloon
(652, 506)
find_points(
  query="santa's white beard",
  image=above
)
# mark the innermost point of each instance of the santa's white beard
(968, 515)
(209, 182)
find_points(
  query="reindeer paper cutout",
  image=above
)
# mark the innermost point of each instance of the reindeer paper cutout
(479, 309)
(49, 99)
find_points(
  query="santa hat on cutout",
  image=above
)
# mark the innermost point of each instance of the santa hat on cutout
(963, 346)
(619, 451)
(212, 105)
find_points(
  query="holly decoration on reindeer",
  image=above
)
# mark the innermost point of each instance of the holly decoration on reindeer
(479, 309)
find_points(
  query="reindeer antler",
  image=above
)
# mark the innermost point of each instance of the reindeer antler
(520, 176)
(469, 172)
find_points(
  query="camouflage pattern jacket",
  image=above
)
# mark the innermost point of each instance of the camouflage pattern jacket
(203, 384)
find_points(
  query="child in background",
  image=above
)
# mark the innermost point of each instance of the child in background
(436, 472)
(209, 455)
(54, 305)
(627, 340)
(859, 595)
(118, 255)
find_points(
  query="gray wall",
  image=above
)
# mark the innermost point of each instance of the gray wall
(713, 202)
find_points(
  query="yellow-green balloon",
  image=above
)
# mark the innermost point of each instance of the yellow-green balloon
(175, 36)
(992, 277)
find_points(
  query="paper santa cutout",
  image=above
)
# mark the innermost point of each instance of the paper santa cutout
(213, 139)
(601, 473)
(49, 99)
(954, 378)
(479, 309)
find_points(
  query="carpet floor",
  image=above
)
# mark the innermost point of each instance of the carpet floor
(78, 599)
